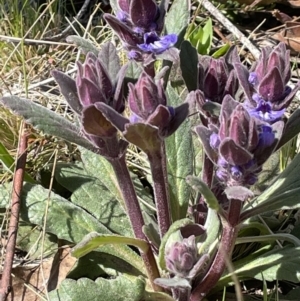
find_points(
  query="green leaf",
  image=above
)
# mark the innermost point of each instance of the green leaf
(94, 240)
(278, 264)
(221, 51)
(9, 163)
(31, 241)
(292, 128)
(46, 120)
(96, 264)
(64, 219)
(189, 65)
(207, 36)
(119, 289)
(177, 18)
(153, 296)
(110, 59)
(283, 194)
(174, 227)
(201, 187)
(91, 193)
(180, 162)
(84, 44)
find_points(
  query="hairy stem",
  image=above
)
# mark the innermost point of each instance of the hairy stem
(14, 218)
(157, 161)
(135, 214)
(229, 235)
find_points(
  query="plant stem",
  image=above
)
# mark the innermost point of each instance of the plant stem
(135, 214)
(229, 235)
(158, 167)
(14, 218)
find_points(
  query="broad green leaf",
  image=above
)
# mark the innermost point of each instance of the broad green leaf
(84, 44)
(189, 65)
(64, 219)
(98, 167)
(283, 194)
(94, 240)
(46, 120)
(178, 17)
(89, 192)
(180, 162)
(110, 59)
(9, 163)
(119, 289)
(278, 264)
(31, 240)
(202, 187)
(96, 264)
(292, 128)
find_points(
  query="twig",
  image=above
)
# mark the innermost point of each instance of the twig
(238, 34)
(6, 282)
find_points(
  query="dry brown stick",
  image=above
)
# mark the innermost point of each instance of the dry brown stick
(6, 282)
(223, 20)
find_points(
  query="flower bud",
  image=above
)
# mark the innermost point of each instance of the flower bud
(181, 256)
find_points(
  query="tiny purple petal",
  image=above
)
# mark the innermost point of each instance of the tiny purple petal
(139, 30)
(214, 140)
(257, 98)
(122, 16)
(266, 136)
(264, 112)
(171, 110)
(236, 173)
(134, 118)
(133, 55)
(253, 79)
(222, 175)
(222, 162)
(155, 44)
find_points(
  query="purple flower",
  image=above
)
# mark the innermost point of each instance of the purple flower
(264, 111)
(266, 136)
(265, 87)
(155, 44)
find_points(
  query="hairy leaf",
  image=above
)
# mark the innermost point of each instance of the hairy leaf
(94, 240)
(189, 65)
(64, 219)
(46, 120)
(84, 44)
(283, 194)
(278, 264)
(94, 194)
(202, 187)
(109, 58)
(180, 162)
(178, 18)
(119, 289)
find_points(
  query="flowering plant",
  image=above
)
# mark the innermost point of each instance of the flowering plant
(182, 235)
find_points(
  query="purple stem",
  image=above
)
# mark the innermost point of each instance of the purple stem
(157, 161)
(135, 214)
(229, 235)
